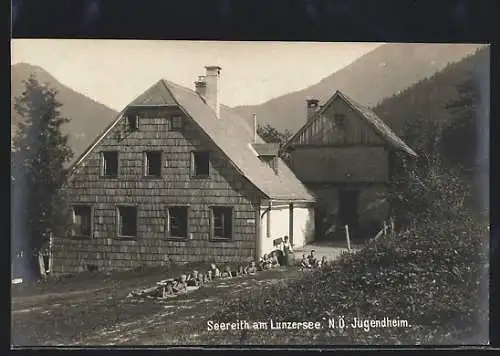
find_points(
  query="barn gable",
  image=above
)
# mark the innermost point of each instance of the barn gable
(342, 121)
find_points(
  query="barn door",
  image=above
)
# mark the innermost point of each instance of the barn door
(348, 207)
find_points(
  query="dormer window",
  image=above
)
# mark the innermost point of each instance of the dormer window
(268, 153)
(133, 122)
(339, 120)
(176, 123)
(271, 161)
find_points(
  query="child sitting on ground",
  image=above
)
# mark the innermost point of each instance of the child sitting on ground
(323, 262)
(266, 262)
(190, 281)
(215, 271)
(180, 285)
(193, 279)
(274, 260)
(312, 259)
(207, 277)
(304, 263)
(200, 279)
(252, 268)
(226, 273)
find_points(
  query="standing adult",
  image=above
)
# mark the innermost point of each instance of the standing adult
(287, 251)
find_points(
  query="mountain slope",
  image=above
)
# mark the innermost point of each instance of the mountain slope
(377, 75)
(88, 117)
(427, 99)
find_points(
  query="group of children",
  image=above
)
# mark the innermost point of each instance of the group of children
(172, 287)
(311, 261)
(268, 261)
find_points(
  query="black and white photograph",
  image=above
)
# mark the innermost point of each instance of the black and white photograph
(241, 193)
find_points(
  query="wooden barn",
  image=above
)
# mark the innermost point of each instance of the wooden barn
(180, 177)
(344, 154)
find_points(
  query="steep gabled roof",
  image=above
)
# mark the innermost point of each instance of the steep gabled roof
(369, 116)
(230, 133)
(156, 95)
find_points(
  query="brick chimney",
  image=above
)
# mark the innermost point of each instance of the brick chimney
(212, 78)
(312, 107)
(201, 86)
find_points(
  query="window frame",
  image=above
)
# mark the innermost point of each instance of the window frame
(168, 234)
(213, 237)
(172, 127)
(103, 164)
(91, 221)
(193, 169)
(118, 231)
(146, 165)
(339, 120)
(131, 128)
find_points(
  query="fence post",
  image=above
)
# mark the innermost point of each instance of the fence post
(51, 244)
(41, 264)
(347, 238)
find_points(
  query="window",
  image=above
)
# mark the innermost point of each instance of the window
(176, 123)
(152, 164)
(222, 222)
(127, 221)
(339, 120)
(110, 164)
(133, 122)
(200, 163)
(82, 221)
(177, 222)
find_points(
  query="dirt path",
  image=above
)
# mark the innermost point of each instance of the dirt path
(106, 317)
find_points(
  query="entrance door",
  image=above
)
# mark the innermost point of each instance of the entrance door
(319, 216)
(348, 207)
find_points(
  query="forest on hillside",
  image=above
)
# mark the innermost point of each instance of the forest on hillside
(427, 101)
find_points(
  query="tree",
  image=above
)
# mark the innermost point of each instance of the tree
(270, 134)
(40, 154)
(460, 135)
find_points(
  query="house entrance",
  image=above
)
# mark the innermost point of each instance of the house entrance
(348, 208)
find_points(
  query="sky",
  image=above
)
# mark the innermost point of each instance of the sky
(114, 72)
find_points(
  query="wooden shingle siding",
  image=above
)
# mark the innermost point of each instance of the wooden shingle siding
(152, 196)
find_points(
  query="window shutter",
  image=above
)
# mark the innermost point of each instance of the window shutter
(73, 232)
(192, 168)
(167, 222)
(103, 162)
(211, 223)
(91, 222)
(118, 222)
(188, 225)
(229, 224)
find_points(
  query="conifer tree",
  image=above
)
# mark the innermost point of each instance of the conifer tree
(40, 152)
